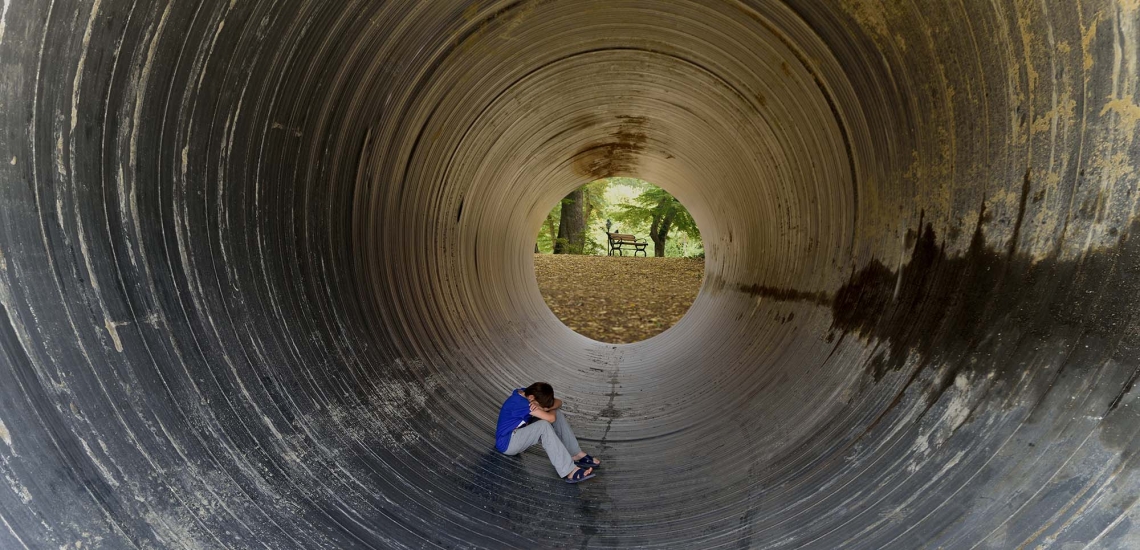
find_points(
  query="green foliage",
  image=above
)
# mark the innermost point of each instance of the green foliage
(663, 214)
(596, 209)
(548, 233)
(682, 245)
(656, 204)
(633, 205)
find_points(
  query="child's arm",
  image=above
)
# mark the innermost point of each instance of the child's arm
(540, 413)
(557, 405)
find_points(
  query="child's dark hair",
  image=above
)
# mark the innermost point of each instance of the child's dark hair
(542, 392)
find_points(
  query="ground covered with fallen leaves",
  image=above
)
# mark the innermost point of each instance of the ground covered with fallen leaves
(618, 299)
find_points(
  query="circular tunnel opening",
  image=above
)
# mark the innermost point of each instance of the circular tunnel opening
(619, 260)
(267, 273)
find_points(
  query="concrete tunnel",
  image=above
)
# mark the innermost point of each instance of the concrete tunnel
(266, 273)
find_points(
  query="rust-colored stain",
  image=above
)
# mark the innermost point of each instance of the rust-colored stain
(616, 155)
(322, 308)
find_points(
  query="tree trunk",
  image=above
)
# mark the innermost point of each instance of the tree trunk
(552, 230)
(655, 236)
(572, 224)
(659, 232)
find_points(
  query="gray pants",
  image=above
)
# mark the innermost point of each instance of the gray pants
(556, 437)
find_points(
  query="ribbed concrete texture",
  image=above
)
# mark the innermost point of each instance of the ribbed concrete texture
(266, 272)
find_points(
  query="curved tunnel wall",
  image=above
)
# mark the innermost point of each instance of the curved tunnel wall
(265, 273)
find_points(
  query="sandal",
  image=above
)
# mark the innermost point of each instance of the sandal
(587, 462)
(579, 476)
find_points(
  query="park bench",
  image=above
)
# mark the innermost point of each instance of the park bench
(619, 241)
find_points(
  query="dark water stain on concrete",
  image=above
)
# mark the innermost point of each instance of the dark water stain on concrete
(973, 311)
(787, 294)
(1025, 184)
(615, 155)
(610, 412)
(977, 314)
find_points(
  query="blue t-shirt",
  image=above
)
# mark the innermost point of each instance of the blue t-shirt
(515, 413)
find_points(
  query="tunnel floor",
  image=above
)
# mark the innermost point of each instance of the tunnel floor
(267, 273)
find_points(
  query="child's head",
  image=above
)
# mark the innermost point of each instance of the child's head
(542, 393)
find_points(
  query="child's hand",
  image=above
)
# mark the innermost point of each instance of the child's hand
(534, 406)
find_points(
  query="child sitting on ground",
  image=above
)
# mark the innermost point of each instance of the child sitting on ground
(531, 415)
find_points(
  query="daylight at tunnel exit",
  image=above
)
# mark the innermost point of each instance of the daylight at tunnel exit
(570, 274)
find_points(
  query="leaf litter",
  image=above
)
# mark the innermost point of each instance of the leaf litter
(618, 299)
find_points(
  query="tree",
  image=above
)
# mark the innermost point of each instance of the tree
(663, 212)
(596, 210)
(548, 233)
(572, 224)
